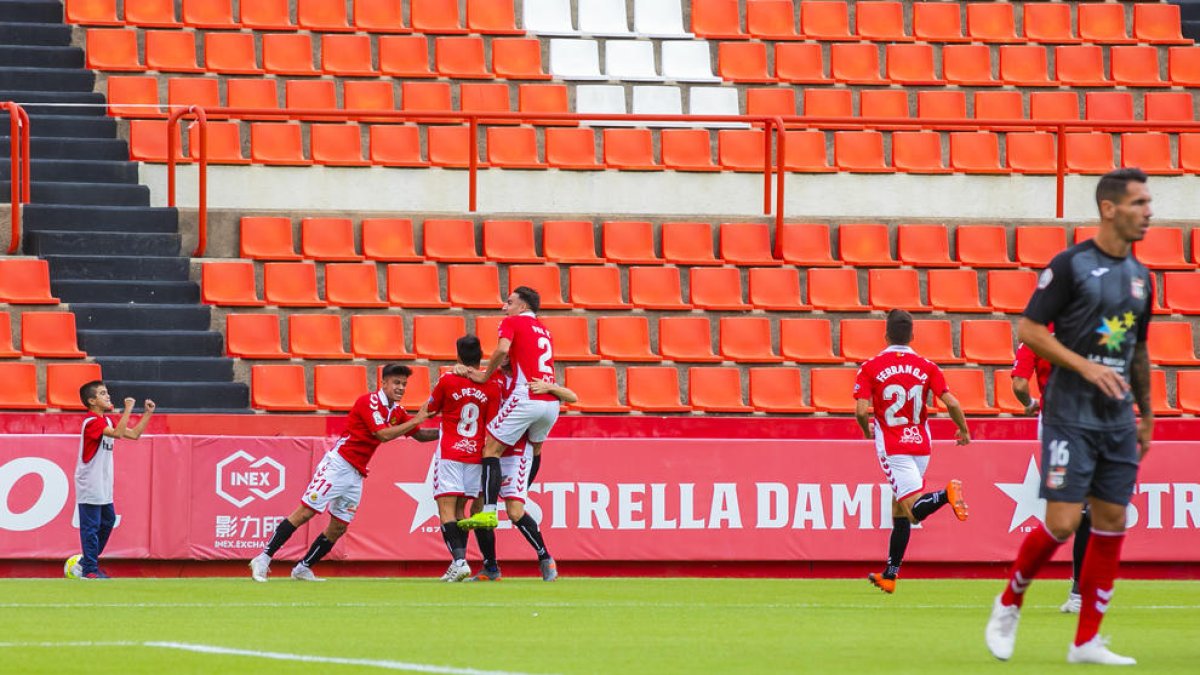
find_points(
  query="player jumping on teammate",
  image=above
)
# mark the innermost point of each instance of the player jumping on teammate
(1098, 297)
(898, 383)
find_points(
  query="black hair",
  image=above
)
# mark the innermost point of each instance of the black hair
(1115, 184)
(88, 391)
(470, 352)
(394, 369)
(899, 327)
(529, 297)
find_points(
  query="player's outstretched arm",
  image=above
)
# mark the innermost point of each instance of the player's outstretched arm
(963, 435)
(498, 357)
(558, 391)
(1139, 377)
(122, 422)
(392, 433)
(137, 431)
(1044, 344)
(862, 414)
(1020, 389)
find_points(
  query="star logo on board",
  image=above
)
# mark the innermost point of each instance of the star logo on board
(1025, 495)
(422, 494)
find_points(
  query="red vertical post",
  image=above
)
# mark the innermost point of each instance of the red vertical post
(766, 167)
(473, 164)
(26, 155)
(202, 204)
(172, 136)
(1061, 176)
(14, 182)
(780, 177)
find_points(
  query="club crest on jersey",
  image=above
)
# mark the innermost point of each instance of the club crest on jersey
(911, 435)
(1046, 278)
(1137, 288)
(1056, 479)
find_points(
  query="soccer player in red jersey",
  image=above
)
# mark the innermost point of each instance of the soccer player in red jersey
(336, 485)
(529, 348)
(898, 383)
(465, 408)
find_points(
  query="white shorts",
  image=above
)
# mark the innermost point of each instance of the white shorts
(520, 415)
(905, 473)
(335, 486)
(452, 478)
(514, 475)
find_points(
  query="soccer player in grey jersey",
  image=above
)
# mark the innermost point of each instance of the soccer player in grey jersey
(1098, 296)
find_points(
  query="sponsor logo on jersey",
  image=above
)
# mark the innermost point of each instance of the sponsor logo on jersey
(911, 435)
(1113, 331)
(1099, 272)
(466, 445)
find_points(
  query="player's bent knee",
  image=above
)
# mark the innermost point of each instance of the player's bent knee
(515, 509)
(335, 530)
(492, 447)
(1108, 517)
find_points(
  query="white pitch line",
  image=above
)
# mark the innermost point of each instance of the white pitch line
(524, 605)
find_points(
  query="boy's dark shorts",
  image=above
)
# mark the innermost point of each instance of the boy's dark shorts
(1080, 463)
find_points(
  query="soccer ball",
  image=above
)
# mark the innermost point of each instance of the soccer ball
(71, 568)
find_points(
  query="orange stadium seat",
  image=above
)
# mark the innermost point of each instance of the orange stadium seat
(938, 22)
(300, 94)
(1109, 106)
(1032, 153)
(688, 244)
(1158, 24)
(291, 285)
(1009, 290)
(518, 59)
(800, 63)
(1175, 106)
(547, 279)
(337, 144)
(49, 335)
(686, 339)
(629, 150)
(337, 387)
(379, 16)
(426, 97)
(322, 16)
(832, 389)
(804, 245)
(377, 336)
(404, 56)
(947, 104)
(1103, 23)
(414, 286)
(434, 336)
(352, 285)
(277, 144)
(629, 243)
(740, 149)
(92, 13)
(716, 289)
(1036, 245)
(485, 97)
(347, 56)
(572, 340)
(25, 281)
(883, 103)
(267, 15)
(747, 244)
(654, 389)
(988, 341)
(509, 241)
(6, 348)
(954, 291)
(1183, 66)
(656, 288)
(834, 290)
(151, 13)
(912, 64)
(133, 96)
(999, 105)
(880, 21)
(771, 20)
(1162, 249)
(1006, 401)
(924, 246)
(224, 143)
(825, 20)
(968, 386)
(252, 93)
(859, 152)
(716, 19)
(279, 388)
(148, 141)
(460, 58)
(968, 65)
(416, 393)
(687, 150)
(328, 239)
(396, 145)
(267, 238)
(435, 16)
(892, 289)
(805, 152)
(229, 284)
(551, 98)
(776, 289)
(1187, 391)
(569, 241)
(777, 390)
(975, 152)
(747, 340)
(209, 14)
(1172, 343)
(253, 336)
(287, 54)
(492, 17)
(112, 49)
(189, 91)
(991, 22)
(855, 63)
(716, 390)
(1151, 152)
(1181, 291)
(828, 103)
(450, 240)
(865, 245)
(743, 62)
(596, 387)
(571, 149)
(473, 286)
(1054, 106)
(20, 391)
(625, 339)
(63, 381)
(1189, 152)
(1025, 66)
(1158, 395)
(934, 340)
(1049, 23)
(1136, 67)
(316, 336)
(807, 341)
(513, 148)
(1080, 66)
(171, 51)
(596, 287)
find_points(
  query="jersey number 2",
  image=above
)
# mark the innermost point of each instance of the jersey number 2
(547, 354)
(898, 397)
(468, 420)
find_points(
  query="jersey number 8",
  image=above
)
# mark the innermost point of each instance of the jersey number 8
(468, 420)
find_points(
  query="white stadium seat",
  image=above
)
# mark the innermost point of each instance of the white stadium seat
(601, 98)
(547, 17)
(649, 100)
(630, 60)
(575, 59)
(659, 18)
(714, 101)
(689, 61)
(605, 18)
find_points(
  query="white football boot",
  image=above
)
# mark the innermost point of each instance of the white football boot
(302, 572)
(260, 567)
(458, 571)
(1096, 651)
(1072, 605)
(1001, 631)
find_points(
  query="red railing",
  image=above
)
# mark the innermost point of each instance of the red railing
(19, 177)
(778, 124)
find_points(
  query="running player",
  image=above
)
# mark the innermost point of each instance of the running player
(465, 408)
(1028, 366)
(898, 383)
(528, 345)
(336, 485)
(1098, 297)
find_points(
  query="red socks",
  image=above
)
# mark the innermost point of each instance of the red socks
(1096, 581)
(1039, 546)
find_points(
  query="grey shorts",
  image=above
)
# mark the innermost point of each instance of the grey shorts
(1081, 463)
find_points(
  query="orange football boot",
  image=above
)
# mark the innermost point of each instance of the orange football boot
(954, 495)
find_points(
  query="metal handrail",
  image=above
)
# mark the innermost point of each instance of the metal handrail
(19, 174)
(202, 196)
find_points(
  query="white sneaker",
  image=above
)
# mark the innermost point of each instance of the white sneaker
(458, 570)
(1072, 605)
(260, 567)
(302, 572)
(1001, 631)
(1096, 651)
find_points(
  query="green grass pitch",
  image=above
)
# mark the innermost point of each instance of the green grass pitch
(523, 625)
